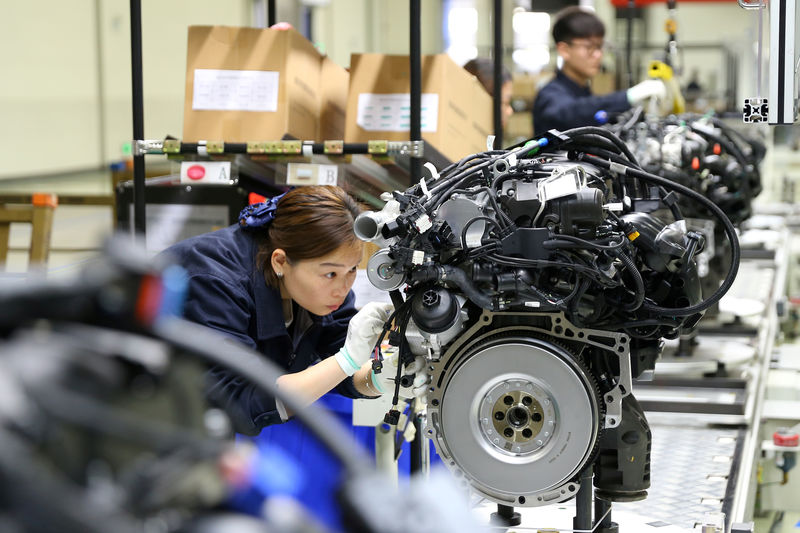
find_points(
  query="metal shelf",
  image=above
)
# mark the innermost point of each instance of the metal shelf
(278, 148)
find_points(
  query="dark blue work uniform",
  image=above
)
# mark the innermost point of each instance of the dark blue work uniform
(227, 292)
(562, 104)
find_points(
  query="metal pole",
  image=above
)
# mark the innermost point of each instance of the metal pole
(498, 74)
(629, 41)
(138, 116)
(583, 502)
(415, 59)
(271, 13)
(602, 514)
(416, 459)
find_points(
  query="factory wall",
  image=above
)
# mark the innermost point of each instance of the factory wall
(65, 102)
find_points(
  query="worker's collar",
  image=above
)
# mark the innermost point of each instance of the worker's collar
(270, 318)
(562, 76)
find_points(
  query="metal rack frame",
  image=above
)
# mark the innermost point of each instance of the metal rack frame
(141, 146)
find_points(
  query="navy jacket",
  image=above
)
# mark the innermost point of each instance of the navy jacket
(228, 293)
(562, 104)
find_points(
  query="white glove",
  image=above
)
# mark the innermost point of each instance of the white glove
(362, 334)
(384, 381)
(647, 89)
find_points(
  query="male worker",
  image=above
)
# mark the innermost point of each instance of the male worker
(566, 101)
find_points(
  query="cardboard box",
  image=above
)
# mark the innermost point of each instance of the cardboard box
(251, 84)
(604, 83)
(456, 110)
(334, 83)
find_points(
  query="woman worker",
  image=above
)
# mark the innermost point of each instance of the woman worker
(279, 282)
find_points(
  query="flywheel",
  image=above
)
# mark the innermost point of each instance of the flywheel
(516, 417)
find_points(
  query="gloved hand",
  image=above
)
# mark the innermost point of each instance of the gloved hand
(384, 381)
(647, 89)
(362, 334)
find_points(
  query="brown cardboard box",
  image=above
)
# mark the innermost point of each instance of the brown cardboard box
(456, 110)
(250, 84)
(604, 83)
(334, 82)
(367, 252)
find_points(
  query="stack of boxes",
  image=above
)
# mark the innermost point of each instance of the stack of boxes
(250, 84)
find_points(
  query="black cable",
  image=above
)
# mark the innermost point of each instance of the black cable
(584, 242)
(463, 239)
(730, 231)
(601, 152)
(538, 263)
(599, 141)
(608, 135)
(639, 290)
(729, 146)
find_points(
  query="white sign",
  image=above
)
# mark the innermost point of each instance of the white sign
(392, 112)
(311, 174)
(200, 172)
(235, 90)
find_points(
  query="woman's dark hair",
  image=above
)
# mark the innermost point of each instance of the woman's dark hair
(483, 69)
(576, 23)
(310, 222)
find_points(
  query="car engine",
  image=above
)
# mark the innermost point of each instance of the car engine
(709, 156)
(536, 288)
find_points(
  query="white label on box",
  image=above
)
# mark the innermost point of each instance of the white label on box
(235, 90)
(311, 174)
(392, 112)
(205, 172)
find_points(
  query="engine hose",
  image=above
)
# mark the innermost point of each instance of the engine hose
(637, 281)
(649, 322)
(730, 146)
(757, 149)
(731, 133)
(460, 178)
(622, 192)
(608, 135)
(459, 278)
(591, 139)
(673, 207)
(455, 183)
(730, 231)
(599, 151)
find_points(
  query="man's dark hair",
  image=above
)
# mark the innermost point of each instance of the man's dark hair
(576, 23)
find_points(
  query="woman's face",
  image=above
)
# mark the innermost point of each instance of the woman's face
(319, 285)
